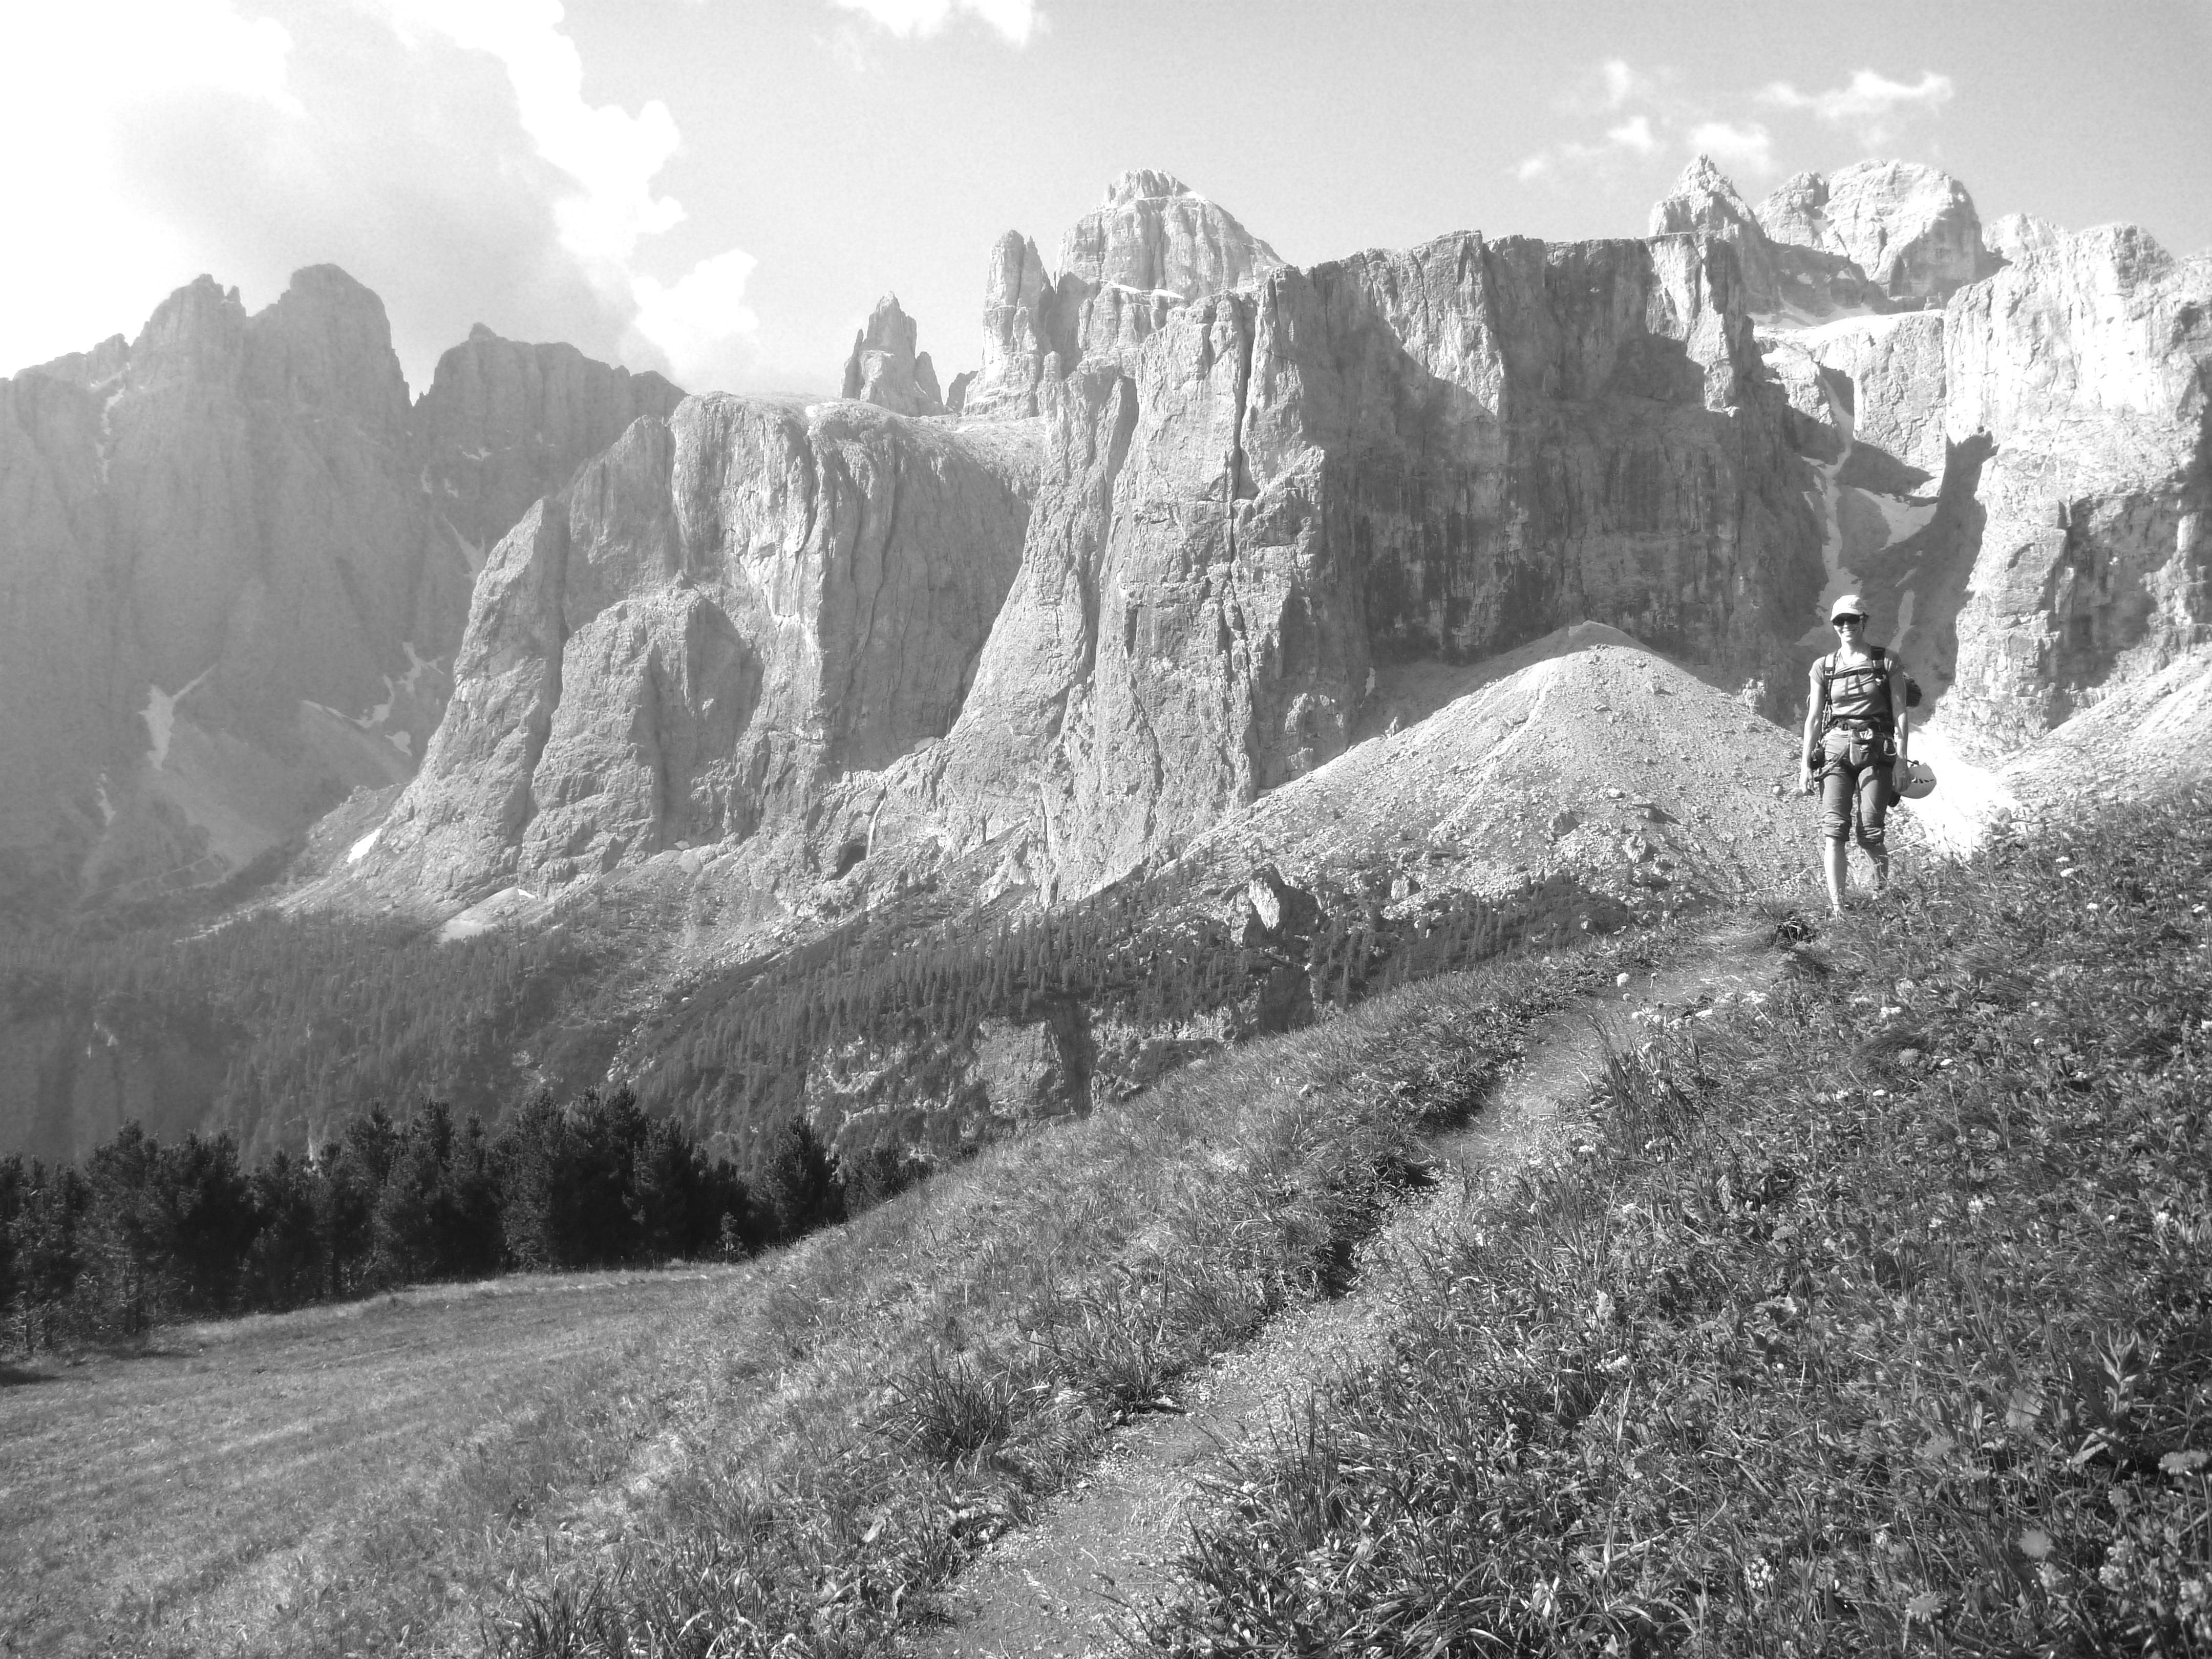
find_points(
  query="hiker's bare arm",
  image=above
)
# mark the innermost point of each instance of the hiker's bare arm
(1815, 705)
(1899, 712)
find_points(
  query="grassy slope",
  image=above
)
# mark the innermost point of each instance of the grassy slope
(840, 1423)
(1778, 1358)
(1877, 1318)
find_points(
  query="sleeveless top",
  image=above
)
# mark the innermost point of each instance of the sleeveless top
(1858, 692)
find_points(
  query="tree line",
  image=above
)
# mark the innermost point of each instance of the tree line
(143, 1232)
(744, 1047)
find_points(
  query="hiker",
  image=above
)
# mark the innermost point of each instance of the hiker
(1855, 735)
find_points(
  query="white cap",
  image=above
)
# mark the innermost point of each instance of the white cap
(1850, 606)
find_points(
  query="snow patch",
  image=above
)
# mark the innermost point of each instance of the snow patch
(506, 905)
(361, 848)
(1905, 518)
(160, 714)
(417, 667)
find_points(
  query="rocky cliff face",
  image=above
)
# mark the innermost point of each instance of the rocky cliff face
(2080, 377)
(720, 615)
(809, 638)
(1878, 236)
(2018, 482)
(823, 636)
(236, 563)
(1437, 454)
(1781, 277)
(1912, 229)
(1126, 267)
(884, 368)
(503, 422)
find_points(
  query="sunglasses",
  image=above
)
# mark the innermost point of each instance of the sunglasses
(1847, 622)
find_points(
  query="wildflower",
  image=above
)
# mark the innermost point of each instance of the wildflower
(1976, 1205)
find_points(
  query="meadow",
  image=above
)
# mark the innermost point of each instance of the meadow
(235, 1475)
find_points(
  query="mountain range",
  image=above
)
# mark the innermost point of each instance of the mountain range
(1462, 569)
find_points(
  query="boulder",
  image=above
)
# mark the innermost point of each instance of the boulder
(1036, 1069)
(1277, 914)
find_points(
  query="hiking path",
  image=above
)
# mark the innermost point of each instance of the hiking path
(1065, 1583)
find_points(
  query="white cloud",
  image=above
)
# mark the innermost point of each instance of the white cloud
(612, 155)
(613, 159)
(443, 152)
(1014, 21)
(695, 321)
(1872, 104)
(1635, 134)
(1624, 84)
(84, 264)
(1742, 147)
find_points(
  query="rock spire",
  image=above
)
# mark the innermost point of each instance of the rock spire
(885, 370)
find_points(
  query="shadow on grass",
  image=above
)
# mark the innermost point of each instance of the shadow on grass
(15, 1376)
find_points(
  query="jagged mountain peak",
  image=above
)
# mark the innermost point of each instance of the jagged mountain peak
(1153, 247)
(884, 368)
(1702, 175)
(1143, 183)
(1703, 200)
(249, 559)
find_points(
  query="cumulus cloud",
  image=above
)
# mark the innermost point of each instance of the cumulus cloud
(1635, 134)
(1744, 147)
(699, 319)
(76, 271)
(1624, 84)
(1648, 113)
(1632, 136)
(1871, 104)
(1014, 21)
(444, 156)
(611, 159)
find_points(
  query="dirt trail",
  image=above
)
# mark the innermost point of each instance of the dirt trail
(1061, 1586)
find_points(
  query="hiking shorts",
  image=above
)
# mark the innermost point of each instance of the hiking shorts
(1855, 768)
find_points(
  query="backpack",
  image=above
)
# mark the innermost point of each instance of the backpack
(1880, 654)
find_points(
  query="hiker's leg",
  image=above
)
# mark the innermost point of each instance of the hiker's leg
(1835, 826)
(1874, 813)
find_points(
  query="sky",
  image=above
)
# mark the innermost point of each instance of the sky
(721, 189)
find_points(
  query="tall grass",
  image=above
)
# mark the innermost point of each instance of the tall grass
(900, 1392)
(1873, 1318)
